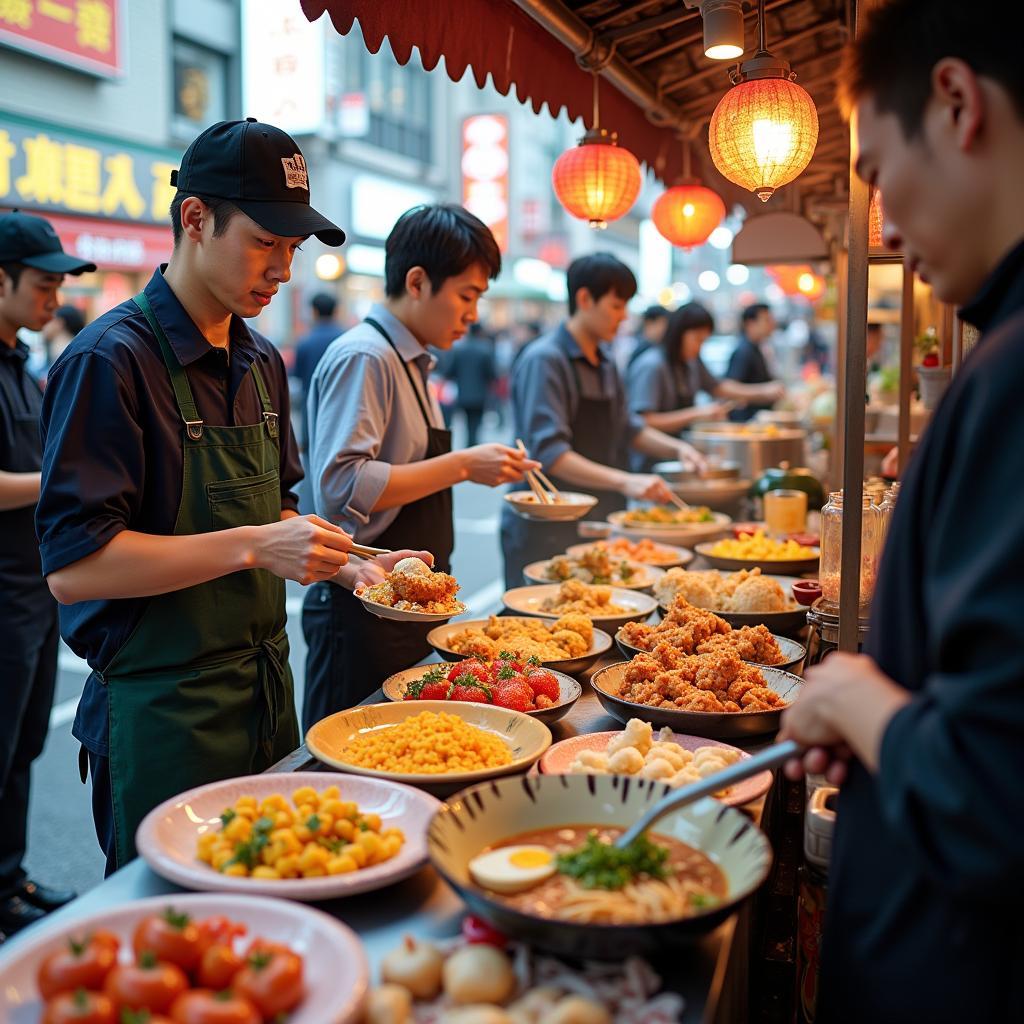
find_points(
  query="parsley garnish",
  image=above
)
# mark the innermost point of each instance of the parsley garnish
(598, 865)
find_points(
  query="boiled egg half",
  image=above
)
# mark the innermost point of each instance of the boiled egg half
(510, 869)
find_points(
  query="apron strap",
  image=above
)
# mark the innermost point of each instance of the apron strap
(269, 416)
(182, 391)
(405, 366)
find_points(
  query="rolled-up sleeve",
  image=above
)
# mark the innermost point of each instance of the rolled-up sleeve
(94, 465)
(350, 402)
(648, 386)
(543, 407)
(950, 767)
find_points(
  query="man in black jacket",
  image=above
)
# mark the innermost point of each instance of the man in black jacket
(925, 731)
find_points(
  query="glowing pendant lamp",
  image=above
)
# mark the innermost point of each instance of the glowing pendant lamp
(687, 213)
(764, 129)
(598, 180)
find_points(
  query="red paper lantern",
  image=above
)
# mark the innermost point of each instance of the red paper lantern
(687, 214)
(598, 181)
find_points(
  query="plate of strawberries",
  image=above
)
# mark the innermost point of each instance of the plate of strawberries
(507, 681)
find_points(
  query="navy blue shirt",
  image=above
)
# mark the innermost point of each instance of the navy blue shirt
(310, 350)
(112, 453)
(20, 402)
(748, 365)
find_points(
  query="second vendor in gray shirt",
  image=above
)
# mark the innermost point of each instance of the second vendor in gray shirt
(381, 460)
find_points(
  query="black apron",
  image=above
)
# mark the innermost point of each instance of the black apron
(365, 650)
(594, 437)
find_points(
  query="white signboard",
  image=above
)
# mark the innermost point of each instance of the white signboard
(282, 66)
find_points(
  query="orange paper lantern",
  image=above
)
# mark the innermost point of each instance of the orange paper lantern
(763, 133)
(687, 214)
(598, 181)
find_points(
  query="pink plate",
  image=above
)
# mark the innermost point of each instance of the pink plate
(559, 756)
(168, 834)
(335, 966)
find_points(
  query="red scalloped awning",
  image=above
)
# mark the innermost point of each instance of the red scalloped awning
(496, 37)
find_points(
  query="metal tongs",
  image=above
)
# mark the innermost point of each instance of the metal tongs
(544, 490)
(775, 755)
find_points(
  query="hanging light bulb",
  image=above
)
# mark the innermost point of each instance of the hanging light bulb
(598, 180)
(687, 213)
(764, 129)
(723, 29)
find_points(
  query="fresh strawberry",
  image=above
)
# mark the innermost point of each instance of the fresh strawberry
(479, 669)
(542, 682)
(468, 687)
(432, 685)
(514, 694)
(507, 659)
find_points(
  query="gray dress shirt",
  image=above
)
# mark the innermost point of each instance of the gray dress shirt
(364, 419)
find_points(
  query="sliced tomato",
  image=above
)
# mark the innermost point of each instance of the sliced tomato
(80, 1007)
(203, 1006)
(82, 962)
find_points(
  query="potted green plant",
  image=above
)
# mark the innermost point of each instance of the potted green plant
(932, 376)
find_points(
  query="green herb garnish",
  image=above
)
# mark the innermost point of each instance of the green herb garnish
(228, 816)
(598, 865)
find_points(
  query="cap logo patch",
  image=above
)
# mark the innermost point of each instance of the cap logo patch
(295, 175)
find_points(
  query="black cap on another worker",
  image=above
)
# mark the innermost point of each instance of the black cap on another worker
(33, 242)
(262, 171)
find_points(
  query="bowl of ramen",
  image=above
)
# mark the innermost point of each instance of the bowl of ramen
(670, 525)
(533, 856)
(566, 508)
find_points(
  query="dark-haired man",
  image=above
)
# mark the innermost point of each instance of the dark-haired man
(747, 364)
(32, 265)
(569, 407)
(167, 517)
(380, 458)
(923, 918)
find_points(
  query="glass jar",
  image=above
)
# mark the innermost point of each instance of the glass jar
(886, 510)
(785, 512)
(832, 549)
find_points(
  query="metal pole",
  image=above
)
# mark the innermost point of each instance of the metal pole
(838, 430)
(906, 365)
(853, 401)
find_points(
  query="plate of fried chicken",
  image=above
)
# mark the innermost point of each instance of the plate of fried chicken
(413, 592)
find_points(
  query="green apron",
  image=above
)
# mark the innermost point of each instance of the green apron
(202, 689)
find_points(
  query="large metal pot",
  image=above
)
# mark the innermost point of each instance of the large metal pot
(751, 446)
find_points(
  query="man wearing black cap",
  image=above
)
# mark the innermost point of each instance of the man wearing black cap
(167, 518)
(32, 266)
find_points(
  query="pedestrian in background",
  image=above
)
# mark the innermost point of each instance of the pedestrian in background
(470, 367)
(312, 346)
(32, 265)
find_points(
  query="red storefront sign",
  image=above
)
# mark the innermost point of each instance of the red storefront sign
(114, 246)
(83, 33)
(485, 177)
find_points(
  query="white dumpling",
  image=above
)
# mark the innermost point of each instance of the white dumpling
(389, 1004)
(658, 769)
(481, 1013)
(589, 762)
(671, 752)
(478, 974)
(685, 776)
(722, 754)
(636, 734)
(576, 1010)
(530, 1008)
(627, 761)
(710, 766)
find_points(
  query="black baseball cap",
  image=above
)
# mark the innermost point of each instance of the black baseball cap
(33, 242)
(262, 171)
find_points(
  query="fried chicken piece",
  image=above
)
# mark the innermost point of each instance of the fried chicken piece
(639, 635)
(437, 587)
(698, 700)
(759, 594)
(751, 643)
(760, 698)
(473, 642)
(573, 644)
(576, 622)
